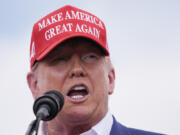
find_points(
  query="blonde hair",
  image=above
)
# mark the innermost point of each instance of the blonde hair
(108, 62)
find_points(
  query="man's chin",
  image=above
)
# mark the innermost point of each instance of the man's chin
(79, 114)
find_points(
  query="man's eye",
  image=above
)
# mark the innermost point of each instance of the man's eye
(61, 59)
(90, 58)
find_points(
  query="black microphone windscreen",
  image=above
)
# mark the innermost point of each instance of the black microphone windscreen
(52, 100)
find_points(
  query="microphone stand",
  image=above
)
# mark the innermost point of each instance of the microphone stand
(41, 114)
(33, 127)
(45, 108)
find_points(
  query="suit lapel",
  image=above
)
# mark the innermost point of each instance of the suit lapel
(118, 129)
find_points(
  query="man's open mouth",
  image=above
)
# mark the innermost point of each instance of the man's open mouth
(78, 92)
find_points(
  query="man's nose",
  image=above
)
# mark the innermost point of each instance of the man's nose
(77, 69)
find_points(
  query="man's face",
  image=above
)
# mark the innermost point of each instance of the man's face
(80, 71)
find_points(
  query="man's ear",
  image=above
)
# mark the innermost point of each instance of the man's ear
(111, 77)
(32, 83)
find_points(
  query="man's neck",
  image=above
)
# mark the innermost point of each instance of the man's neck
(65, 128)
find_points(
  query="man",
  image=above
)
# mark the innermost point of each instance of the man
(69, 53)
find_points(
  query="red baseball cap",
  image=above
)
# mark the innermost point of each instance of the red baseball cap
(62, 24)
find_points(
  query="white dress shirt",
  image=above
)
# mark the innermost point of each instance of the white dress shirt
(101, 128)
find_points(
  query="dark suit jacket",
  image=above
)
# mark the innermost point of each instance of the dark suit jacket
(119, 129)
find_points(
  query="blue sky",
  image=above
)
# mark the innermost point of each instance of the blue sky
(144, 41)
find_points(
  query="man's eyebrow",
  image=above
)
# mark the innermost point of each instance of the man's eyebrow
(55, 51)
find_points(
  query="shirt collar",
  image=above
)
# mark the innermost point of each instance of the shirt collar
(101, 128)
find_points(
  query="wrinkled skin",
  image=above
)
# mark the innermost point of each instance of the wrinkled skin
(77, 61)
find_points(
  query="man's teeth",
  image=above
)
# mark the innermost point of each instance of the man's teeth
(77, 92)
(77, 96)
(79, 88)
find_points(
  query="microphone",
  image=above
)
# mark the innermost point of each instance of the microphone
(47, 106)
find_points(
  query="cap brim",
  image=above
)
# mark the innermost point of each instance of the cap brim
(58, 42)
